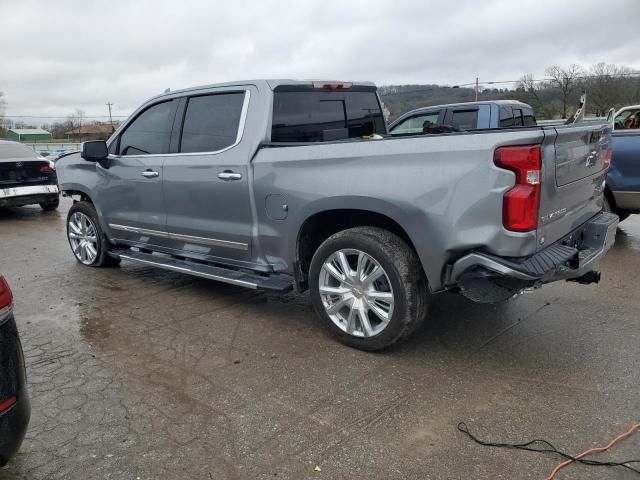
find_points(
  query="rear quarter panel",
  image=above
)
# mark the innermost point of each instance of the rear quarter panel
(443, 190)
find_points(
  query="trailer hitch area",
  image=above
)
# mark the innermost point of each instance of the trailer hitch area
(592, 276)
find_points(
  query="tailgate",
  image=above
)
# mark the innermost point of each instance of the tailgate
(574, 178)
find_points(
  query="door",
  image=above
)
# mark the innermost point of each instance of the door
(206, 185)
(129, 192)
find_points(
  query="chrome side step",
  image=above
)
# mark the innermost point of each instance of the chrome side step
(226, 275)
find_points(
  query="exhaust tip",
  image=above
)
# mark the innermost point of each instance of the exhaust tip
(590, 277)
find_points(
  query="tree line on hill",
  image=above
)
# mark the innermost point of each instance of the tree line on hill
(555, 96)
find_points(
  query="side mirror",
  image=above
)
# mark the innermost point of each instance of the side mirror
(95, 151)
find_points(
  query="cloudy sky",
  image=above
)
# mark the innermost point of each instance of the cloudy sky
(61, 55)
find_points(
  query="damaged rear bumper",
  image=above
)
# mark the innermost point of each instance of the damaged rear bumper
(574, 257)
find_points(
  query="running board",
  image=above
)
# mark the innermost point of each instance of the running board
(226, 275)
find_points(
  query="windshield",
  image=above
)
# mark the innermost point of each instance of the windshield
(16, 150)
(628, 120)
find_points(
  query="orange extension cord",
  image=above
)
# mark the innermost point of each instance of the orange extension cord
(593, 450)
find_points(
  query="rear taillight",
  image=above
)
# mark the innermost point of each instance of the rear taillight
(606, 158)
(521, 203)
(46, 169)
(6, 300)
(7, 404)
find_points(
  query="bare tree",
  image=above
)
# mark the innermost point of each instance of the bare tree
(530, 91)
(567, 81)
(76, 120)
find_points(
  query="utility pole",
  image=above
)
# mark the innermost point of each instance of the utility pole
(109, 104)
(476, 89)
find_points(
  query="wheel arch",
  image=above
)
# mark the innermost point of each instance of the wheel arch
(322, 223)
(86, 195)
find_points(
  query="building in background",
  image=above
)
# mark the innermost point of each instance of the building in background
(92, 131)
(32, 135)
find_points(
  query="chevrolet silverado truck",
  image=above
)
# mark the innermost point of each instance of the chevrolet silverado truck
(26, 178)
(281, 184)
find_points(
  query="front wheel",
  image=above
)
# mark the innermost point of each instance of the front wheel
(368, 287)
(88, 243)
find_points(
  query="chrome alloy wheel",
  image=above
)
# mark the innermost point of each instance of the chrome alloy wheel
(83, 238)
(356, 293)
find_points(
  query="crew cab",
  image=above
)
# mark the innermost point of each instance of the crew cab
(465, 116)
(622, 195)
(26, 178)
(281, 184)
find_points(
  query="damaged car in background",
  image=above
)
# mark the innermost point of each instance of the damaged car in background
(26, 178)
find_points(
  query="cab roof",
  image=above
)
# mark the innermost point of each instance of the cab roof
(272, 84)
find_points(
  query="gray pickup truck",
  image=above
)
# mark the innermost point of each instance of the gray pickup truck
(281, 184)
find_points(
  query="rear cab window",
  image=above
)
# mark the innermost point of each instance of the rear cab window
(302, 113)
(520, 116)
(464, 119)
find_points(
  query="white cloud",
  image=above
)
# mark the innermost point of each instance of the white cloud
(63, 55)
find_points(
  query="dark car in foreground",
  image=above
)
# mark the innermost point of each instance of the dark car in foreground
(26, 178)
(15, 409)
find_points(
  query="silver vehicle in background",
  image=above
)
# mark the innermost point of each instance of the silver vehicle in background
(281, 184)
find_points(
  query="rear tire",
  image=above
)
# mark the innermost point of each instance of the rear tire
(50, 205)
(86, 239)
(360, 312)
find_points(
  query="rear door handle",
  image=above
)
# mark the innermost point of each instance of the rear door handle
(229, 175)
(150, 174)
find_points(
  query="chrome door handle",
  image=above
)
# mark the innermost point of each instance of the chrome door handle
(229, 176)
(150, 174)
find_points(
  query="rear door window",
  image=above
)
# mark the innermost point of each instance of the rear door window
(149, 133)
(211, 122)
(416, 123)
(464, 119)
(322, 116)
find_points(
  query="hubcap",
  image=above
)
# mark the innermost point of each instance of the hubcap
(83, 238)
(356, 293)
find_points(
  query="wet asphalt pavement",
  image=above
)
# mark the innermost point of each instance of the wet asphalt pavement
(138, 373)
